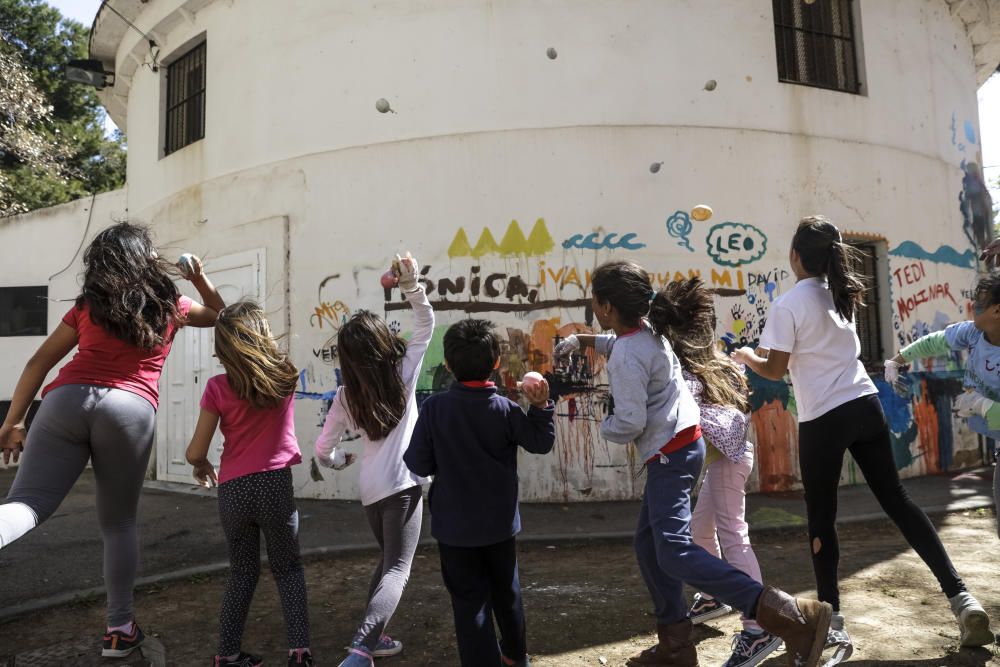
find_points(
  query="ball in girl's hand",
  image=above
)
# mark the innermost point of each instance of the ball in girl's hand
(531, 378)
(388, 279)
(186, 264)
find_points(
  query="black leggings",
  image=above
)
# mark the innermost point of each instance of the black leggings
(860, 427)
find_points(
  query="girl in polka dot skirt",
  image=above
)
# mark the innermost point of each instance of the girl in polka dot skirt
(252, 404)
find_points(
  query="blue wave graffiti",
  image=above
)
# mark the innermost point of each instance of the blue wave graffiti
(612, 241)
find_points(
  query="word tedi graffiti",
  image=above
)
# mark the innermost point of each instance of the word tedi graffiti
(735, 244)
(911, 275)
(611, 241)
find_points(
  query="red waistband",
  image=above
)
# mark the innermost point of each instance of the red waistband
(682, 439)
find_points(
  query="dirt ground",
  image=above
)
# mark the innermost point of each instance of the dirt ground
(584, 602)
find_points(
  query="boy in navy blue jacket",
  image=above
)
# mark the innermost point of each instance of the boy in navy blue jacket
(467, 438)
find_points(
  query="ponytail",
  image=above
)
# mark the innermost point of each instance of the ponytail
(823, 253)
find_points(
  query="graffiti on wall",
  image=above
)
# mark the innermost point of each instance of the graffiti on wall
(537, 291)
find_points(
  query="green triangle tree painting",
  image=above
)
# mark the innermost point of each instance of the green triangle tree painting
(539, 241)
(486, 245)
(513, 242)
(460, 245)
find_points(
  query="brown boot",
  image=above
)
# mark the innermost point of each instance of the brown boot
(801, 623)
(674, 650)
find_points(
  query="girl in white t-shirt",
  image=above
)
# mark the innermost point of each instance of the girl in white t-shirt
(810, 333)
(377, 400)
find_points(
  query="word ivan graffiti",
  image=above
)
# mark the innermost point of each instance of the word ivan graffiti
(937, 291)
(611, 241)
(734, 244)
(331, 314)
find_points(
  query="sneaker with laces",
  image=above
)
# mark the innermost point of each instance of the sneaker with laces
(242, 660)
(118, 644)
(750, 649)
(357, 656)
(301, 658)
(706, 608)
(838, 639)
(387, 647)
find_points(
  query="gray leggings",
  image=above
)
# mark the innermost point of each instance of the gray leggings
(113, 429)
(395, 521)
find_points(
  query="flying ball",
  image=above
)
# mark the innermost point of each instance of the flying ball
(382, 105)
(701, 213)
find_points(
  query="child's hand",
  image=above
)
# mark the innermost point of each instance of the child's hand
(348, 460)
(408, 270)
(743, 355)
(12, 439)
(892, 370)
(971, 403)
(567, 346)
(204, 472)
(190, 266)
(537, 393)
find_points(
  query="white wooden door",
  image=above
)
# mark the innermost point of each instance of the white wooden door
(192, 361)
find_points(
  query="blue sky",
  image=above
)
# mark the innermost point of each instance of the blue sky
(989, 95)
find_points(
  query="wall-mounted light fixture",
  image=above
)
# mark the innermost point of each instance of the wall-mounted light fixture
(89, 72)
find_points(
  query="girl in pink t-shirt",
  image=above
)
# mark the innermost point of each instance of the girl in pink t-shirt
(252, 404)
(101, 407)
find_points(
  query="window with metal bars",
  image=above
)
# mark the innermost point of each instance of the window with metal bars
(185, 100)
(815, 43)
(867, 319)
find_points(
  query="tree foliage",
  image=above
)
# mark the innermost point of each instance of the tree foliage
(52, 140)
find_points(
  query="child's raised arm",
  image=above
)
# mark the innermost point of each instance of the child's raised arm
(423, 317)
(957, 336)
(535, 430)
(203, 314)
(575, 342)
(197, 450)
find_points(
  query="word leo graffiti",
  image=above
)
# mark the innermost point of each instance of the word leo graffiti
(735, 244)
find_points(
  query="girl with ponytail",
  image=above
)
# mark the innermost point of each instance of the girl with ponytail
(810, 333)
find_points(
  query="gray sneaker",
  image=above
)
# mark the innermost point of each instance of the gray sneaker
(840, 642)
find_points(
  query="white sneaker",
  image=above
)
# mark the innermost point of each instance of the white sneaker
(973, 621)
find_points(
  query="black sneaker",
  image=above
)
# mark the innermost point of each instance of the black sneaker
(242, 660)
(301, 658)
(117, 644)
(704, 609)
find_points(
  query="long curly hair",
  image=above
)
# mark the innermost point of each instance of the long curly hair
(684, 314)
(259, 373)
(370, 356)
(128, 287)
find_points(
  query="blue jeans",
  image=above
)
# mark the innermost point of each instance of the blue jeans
(668, 558)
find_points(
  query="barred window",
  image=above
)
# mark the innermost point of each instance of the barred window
(815, 43)
(185, 100)
(867, 319)
(24, 311)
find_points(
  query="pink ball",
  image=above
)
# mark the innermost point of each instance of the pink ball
(388, 279)
(531, 378)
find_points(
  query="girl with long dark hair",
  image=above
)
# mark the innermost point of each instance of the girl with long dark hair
(654, 409)
(102, 405)
(810, 333)
(377, 400)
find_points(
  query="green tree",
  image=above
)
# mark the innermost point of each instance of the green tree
(52, 142)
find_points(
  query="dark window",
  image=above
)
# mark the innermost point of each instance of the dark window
(815, 43)
(185, 100)
(5, 408)
(24, 311)
(867, 320)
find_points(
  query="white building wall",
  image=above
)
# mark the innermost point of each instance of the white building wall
(296, 160)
